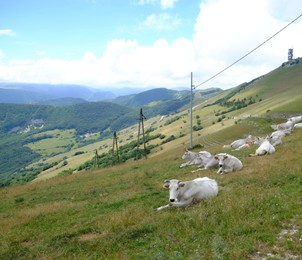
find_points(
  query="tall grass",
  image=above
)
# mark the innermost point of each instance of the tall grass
(110, 213)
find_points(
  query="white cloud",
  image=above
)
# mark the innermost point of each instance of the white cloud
(161, 22)
(146, 2)
(167, 3)
(227, 30)
(40, 53)
(7, 32)
(224, 31)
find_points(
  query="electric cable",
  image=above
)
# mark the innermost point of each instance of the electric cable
(244, 56)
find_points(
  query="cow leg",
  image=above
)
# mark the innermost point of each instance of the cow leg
(163, 207)
(187, 164)
(182, 204)
(227, 170)
(220, 170)
(199, 169)
(184, 164)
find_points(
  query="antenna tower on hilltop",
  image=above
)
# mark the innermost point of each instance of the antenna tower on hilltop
(290, 54)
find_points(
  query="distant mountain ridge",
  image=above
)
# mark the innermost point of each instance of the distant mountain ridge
(154, 101)
(26, 93)
(149, 96)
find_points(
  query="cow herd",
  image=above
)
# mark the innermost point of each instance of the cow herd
(184, 193)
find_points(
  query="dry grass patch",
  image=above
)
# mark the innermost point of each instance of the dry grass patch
(91, 236)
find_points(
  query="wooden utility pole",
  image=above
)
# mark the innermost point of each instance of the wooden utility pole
(116, 146)
(141, 124)
(96, 160)
(191, 111)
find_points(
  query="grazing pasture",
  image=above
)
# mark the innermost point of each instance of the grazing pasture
(56, 142)
(111, 213)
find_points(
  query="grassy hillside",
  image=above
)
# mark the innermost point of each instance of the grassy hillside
(149, 96)
(279, 91)
(261, 97)
(110, 213)
(29, 132)
(156, 101)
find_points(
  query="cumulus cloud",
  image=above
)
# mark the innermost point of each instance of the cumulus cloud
(165, 4)
(7, 32)
(222, 34)
(40, 52)
(168, 3)
(161, 22)
(145, 2)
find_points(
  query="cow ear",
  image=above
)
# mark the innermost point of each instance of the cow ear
(182, 184)
(166, 186)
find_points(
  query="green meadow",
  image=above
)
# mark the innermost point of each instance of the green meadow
(58, 141)
(110, 213)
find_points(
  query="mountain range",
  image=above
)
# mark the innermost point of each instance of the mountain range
(26, 93)
(59, 94)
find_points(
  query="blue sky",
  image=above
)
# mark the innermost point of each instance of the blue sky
(68, 28)
(143, 43)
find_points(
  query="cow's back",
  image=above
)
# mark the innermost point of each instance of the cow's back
(237, 143)
(205, 188)
(235, 163)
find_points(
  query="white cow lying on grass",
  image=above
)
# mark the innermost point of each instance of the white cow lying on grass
(207, 161)
(227, 163)
(193, 157)
(287, 125)
(298, 125)
(184, 193)
(239, 142)
(296, 119)
(281, 133)
(276, 137)
(275, 140)
(265, 147)
(246, 145)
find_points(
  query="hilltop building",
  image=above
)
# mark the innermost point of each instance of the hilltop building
(290, 54)
(291, 60)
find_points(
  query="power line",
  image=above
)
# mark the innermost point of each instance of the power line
(196, 86)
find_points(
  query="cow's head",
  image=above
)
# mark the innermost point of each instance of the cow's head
(186, 155)
(174, 186)
(221, 158)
